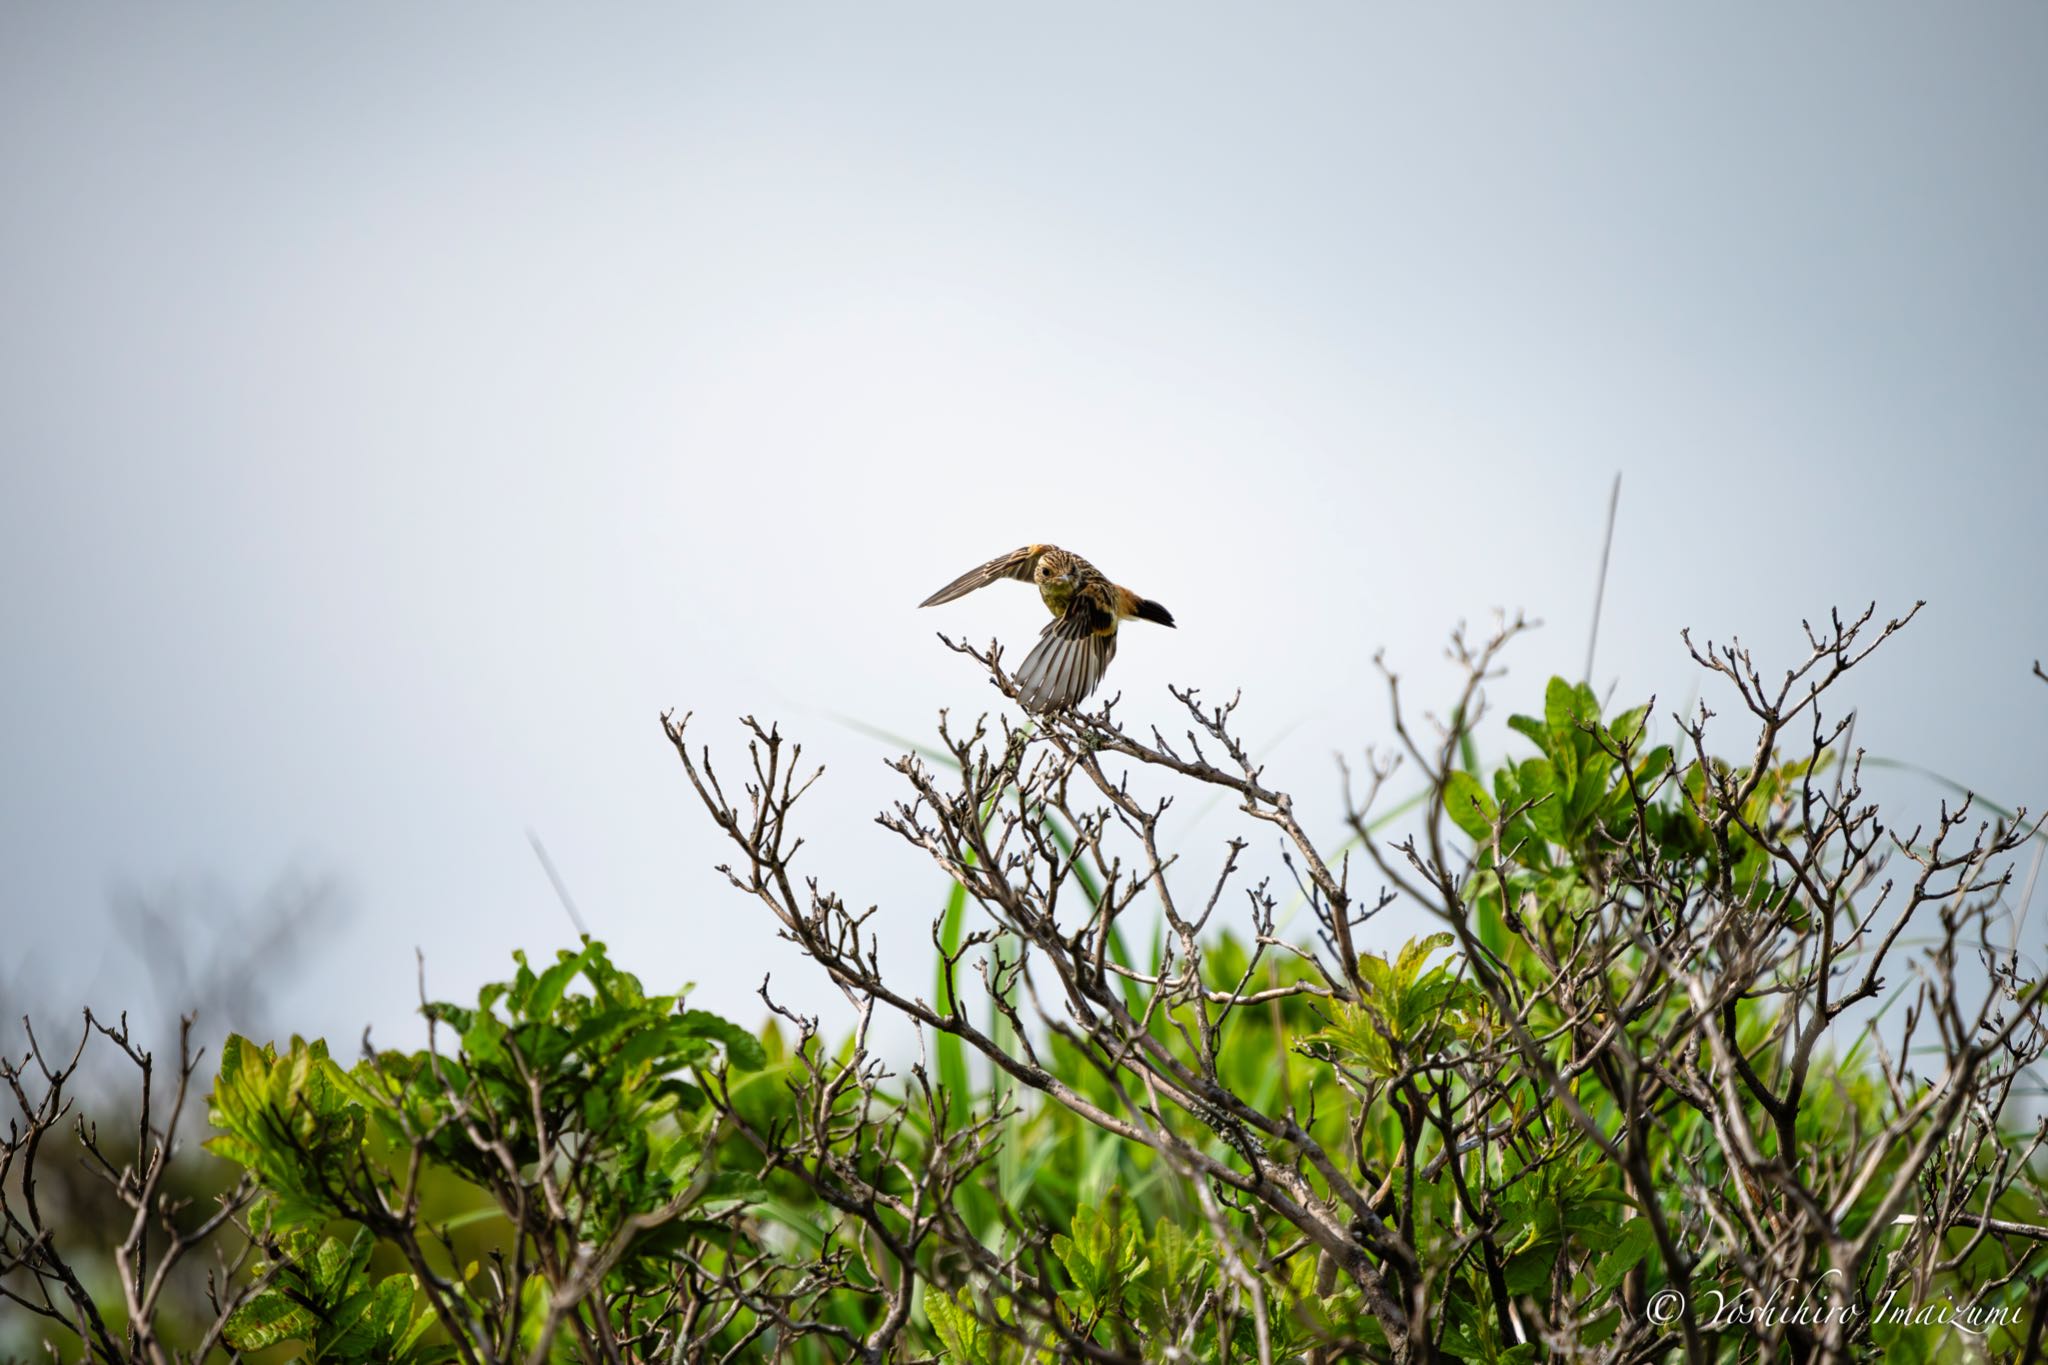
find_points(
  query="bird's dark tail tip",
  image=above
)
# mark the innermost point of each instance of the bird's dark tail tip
(1152, 611)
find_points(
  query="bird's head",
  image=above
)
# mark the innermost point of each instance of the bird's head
(1055, 569)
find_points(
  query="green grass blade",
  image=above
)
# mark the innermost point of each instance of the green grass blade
(952, 1053)
(938, 756)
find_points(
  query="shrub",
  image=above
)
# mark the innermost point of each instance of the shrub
(1699, 1058)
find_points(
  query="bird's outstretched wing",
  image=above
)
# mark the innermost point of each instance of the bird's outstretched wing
(1072, 654)
(1017, 564)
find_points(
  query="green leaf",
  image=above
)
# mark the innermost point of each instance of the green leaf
(1469, 807)
(1636, 1239)
(546, 994)
(1566, 707)
(342, 1320)
(1528, 1271)
(1536, 781)
(742, 1048)
(1415, 952)
(1533, 728)
(1627, 727)
(960, 1331)
(266, 1320)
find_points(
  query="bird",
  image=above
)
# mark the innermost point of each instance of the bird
(1074, 649)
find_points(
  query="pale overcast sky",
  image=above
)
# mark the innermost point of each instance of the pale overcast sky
(401, 405)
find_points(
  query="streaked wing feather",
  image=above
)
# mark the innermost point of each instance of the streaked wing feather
(1016, 564)
(1066, 665)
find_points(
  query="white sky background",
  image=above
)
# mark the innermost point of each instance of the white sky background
(401, 406)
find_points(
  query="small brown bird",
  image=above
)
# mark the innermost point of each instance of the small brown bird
(1074, 650)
